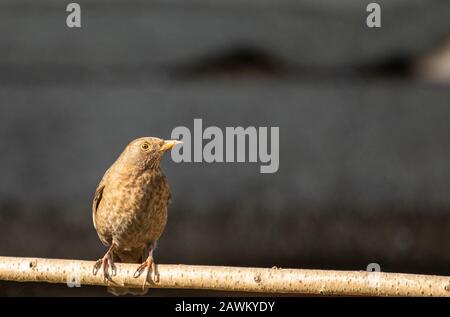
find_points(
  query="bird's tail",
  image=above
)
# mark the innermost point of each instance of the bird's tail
(132, 256)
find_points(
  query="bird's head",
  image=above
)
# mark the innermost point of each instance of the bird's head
(147, 152)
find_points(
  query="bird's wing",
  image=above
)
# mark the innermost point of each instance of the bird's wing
(98, 197)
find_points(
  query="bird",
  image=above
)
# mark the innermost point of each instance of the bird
(129, 209)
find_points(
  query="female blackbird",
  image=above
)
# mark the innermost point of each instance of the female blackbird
(130, 208)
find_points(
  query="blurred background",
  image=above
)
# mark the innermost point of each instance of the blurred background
(364, 119)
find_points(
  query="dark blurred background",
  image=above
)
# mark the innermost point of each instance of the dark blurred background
(364, 119)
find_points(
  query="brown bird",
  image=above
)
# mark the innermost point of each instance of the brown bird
(130, 208)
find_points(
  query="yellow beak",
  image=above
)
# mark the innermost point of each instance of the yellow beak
(168, 144)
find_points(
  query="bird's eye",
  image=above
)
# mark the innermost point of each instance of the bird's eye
(145, 146)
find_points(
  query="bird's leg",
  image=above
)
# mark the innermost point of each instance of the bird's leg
(105, 262)
(148, 264)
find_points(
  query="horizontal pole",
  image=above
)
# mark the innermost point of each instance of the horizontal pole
(224, 278)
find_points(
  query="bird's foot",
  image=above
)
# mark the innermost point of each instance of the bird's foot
(148, 265)
(105, 263)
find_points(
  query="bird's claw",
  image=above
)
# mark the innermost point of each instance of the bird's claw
(150, 265)
(105, 263)
(97, 266)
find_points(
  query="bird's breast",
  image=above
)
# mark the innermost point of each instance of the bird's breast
(133, 209)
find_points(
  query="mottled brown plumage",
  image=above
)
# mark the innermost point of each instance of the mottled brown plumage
(130, 207)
